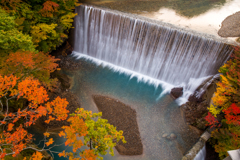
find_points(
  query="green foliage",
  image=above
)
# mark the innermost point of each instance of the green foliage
(227, 138)
(11, 39)
(101, 134)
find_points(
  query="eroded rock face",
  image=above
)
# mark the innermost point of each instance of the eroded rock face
(177, 92)
(230, 26)
(124, 118)
(196, 108)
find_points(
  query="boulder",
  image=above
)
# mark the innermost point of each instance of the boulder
(177, 92)
(164, 135)
(230, 26)
(172, 136)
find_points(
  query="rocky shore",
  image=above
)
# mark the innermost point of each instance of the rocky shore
(196, 108)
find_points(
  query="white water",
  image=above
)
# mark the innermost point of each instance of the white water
(148, 49)
(140, 77)
(201, 154)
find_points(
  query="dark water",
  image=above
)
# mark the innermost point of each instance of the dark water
(187, 8)
(204, 16)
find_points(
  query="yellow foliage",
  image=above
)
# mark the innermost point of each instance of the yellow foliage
(67, 20)
(43, 31)
(214, 110)
(224, 88)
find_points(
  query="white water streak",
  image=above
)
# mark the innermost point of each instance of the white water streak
(201, 154)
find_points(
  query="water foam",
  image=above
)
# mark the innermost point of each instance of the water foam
(188, 88)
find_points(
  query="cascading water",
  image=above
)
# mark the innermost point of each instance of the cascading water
(201, 154)
(144, 46)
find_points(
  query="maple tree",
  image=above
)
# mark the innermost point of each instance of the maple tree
(26, 63)
(15, 137)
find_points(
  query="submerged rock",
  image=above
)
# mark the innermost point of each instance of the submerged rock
(230, 26)
(164, 135)
(177, 92)
(124, 118)
(172, 136)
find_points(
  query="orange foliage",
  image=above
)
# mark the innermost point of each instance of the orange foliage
(38, 65)
(88, 155)
(49, 7)
(16, 137)
(50, 141)
(37, 156)
(77, 129)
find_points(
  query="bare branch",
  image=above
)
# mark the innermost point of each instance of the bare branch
(1, 106)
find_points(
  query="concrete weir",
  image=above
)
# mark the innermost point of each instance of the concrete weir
(194, 151)
(155, 49)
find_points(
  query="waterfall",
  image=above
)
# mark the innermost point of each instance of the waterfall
(153, 49)
(201, 154)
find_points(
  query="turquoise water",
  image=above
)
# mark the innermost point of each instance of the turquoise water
(156, 114)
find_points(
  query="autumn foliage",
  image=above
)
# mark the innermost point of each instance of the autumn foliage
(98, 135)
(16, 138)
(28, 31)
(26, 63)
(226, 106)
(47, 22)
(49, 8)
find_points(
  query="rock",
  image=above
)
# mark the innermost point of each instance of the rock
(230, 26)
(124, 118)
(164, 135)
(64, 80)
(172, 136)
(196, 130)
(177, 92)
(195, 99)
(195, 109)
